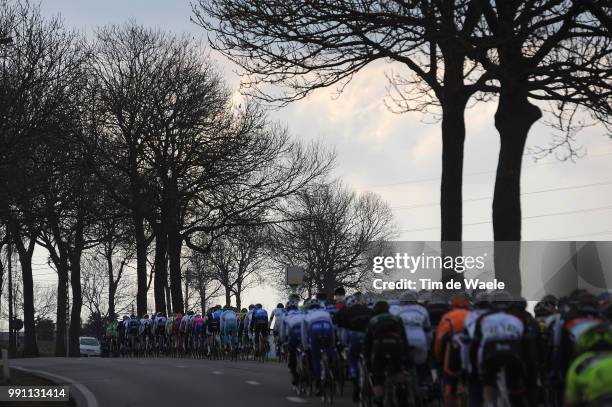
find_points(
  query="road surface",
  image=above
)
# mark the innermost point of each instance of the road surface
(171, 382)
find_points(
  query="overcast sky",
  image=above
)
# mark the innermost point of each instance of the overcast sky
(398, 156)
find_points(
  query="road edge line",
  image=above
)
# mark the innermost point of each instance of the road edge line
(82, 391)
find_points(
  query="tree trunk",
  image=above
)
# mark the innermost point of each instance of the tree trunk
(161, 263)
(141, 265)
(112, 286)
(175, 245)
(228, 295)
(203, 298)
(451, 198)
(77, 296)
(30, 347)
(12, 344)
(514, 117)
(62, 303)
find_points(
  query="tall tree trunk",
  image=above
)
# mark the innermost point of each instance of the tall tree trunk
(228, 295)
(9, 256)
(175, 245)
(62, 305)
(202, 292)
(453, 101)
(161, 263)
(77, 295)
(514, 117)
(141, 264)
(112, 286)
(30, 347)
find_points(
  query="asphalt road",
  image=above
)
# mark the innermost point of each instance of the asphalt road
(166, 382)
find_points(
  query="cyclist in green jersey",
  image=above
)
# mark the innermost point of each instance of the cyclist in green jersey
(589, 378)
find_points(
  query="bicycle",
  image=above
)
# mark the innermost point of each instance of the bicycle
(263, 347)
(364, 383)
(305, 382)
(395, 387)
(328, 383)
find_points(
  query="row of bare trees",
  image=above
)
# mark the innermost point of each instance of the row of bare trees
(127, 150)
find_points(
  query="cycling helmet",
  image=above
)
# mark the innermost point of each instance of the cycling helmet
(520, 304)
(381, 307)
(125, 317)
(424, 297)
(460, 300)
(340, 291)
(544, 309)
(501, 300)
(409, 296)
(132, 316)
(244, 310)
(280, 305)
(481, 300)
(321, 296)
(314, 304)
(258, 306)
(350, 301)
(597, 338)
(146, 316)
(251, 307)
(359, 298)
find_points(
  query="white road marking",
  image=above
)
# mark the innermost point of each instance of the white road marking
(216, 372)
(297, 399)
(252, 382)
(89, 397)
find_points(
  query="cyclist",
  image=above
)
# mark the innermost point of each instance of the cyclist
(242, 329)
(339, 297)
(133, 326)
(318, 335)
(446, 353)
(248, 318)
(482, 305)
(386, 349)
(589, 377)
(259, 325)
(354, 319)
(498, 339)
(176, 331)
(145, 331)
(291, 335)
(418, 331)
(112, 334)
(213, 328)
(229, 327)
(277, 313)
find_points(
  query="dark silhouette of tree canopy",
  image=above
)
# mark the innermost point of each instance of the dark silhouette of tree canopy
(332, 233)
(304, 46)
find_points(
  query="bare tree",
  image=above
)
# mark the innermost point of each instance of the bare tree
(304, 46)
(331, 233)
(38, 70)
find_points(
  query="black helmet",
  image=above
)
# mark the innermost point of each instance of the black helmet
(251, 307)
(340, 291)
(280, 305)
(321, 296)
(381, 307)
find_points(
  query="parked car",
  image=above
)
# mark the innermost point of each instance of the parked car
(89, 346)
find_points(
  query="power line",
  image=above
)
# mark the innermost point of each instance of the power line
(484, 198)
(424, 180)
(543, 215)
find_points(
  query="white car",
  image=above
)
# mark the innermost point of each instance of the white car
(89, 346)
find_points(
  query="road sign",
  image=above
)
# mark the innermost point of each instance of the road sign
(295, 276)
